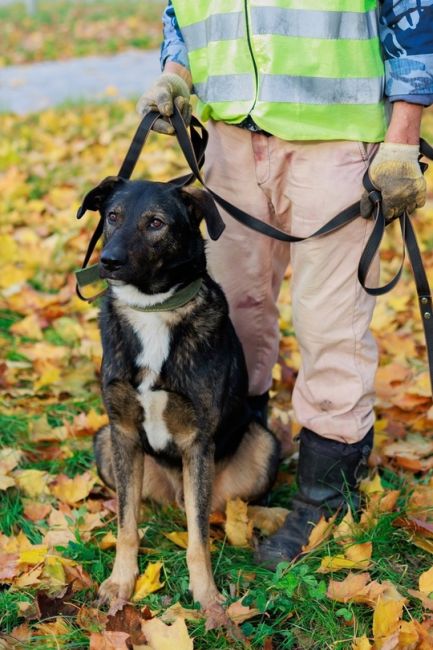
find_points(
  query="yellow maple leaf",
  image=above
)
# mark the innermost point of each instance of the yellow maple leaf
(33, 555)
(408, 636)
(33, 482)
(344, 532)
(54, 571)
(29, 578)
(361, 643)
(108, 541)
(370, 486)
(160, 636)
(339, 562)
(178, 537)
(6, 481)
(56, 628)
(59, 533)
(320, 533)
(15, 544)
(148, 582)
(73, 490)
(12, 275)
(29, 327)
(359, 553)
(426, 581)
(238, 528)
(386, 620)
(8, 249)
(95, 420)
(9, 459)
(50, 375)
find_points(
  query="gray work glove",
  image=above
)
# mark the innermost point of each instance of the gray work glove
(168, 89)
(395, 171)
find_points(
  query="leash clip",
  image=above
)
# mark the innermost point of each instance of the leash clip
(375, 197)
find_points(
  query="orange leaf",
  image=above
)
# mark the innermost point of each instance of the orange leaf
(347, 589)
(36, 511)
(8, 566)
(240, 613)
(320, 533)
(359, 552)
(109, 641)
(426, 601)
(73, 490)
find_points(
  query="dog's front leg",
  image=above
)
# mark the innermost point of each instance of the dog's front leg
(198, 473)
(128, 471)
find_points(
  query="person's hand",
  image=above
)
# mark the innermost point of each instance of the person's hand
(395, 171)
(169, 89)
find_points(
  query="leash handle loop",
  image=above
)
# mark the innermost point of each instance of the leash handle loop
(340, 220)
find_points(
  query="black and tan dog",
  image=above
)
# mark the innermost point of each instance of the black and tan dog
(174, 379)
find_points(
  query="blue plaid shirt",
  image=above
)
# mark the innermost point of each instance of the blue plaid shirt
(406, 32)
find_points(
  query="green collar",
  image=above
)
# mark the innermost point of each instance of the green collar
(178, 299)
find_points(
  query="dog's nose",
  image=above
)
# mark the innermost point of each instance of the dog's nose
(113, 259)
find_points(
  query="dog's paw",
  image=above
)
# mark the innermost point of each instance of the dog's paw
(215, 614)
(115, 591)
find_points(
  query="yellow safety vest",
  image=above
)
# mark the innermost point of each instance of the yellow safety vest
(302, 69)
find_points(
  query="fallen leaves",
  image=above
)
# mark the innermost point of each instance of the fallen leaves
(148, 582)
(73, 490)
(163, 637)
(48, 378)
(238, 527)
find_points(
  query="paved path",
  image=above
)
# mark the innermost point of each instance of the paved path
(29, 88)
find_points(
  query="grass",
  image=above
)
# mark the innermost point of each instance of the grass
(53, 159)
(69, 28)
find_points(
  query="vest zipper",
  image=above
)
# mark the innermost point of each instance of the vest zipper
(256, 74)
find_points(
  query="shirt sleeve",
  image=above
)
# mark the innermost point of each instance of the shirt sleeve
(173, 47)
(406, 33)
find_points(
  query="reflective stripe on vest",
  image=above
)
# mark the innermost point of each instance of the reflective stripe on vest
(280, 60)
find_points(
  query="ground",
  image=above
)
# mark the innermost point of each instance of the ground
(364, 584)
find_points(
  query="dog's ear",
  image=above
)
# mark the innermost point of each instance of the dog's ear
(201, 205)
(94, 200)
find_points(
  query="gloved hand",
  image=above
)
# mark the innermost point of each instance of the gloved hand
(395, 171)
(169, 88)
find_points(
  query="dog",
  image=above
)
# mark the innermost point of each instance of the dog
(174, 379)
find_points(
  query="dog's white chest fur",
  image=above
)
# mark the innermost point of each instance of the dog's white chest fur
(154, 335)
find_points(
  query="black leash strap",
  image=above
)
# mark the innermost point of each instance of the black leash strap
(410, 243)
(193, 146)
(341, 219)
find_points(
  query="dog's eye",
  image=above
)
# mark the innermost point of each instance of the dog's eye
(112, 218)
(155, 223)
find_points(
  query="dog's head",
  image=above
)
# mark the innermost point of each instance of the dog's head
(152, 238)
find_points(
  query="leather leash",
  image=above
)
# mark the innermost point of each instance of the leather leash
(193, 147)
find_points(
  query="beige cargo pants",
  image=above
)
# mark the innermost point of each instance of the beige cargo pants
(298, 186)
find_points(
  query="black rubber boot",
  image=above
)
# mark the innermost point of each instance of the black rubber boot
(259, 408)
(328, 476)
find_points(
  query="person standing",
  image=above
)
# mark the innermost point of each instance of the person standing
(301, 98)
